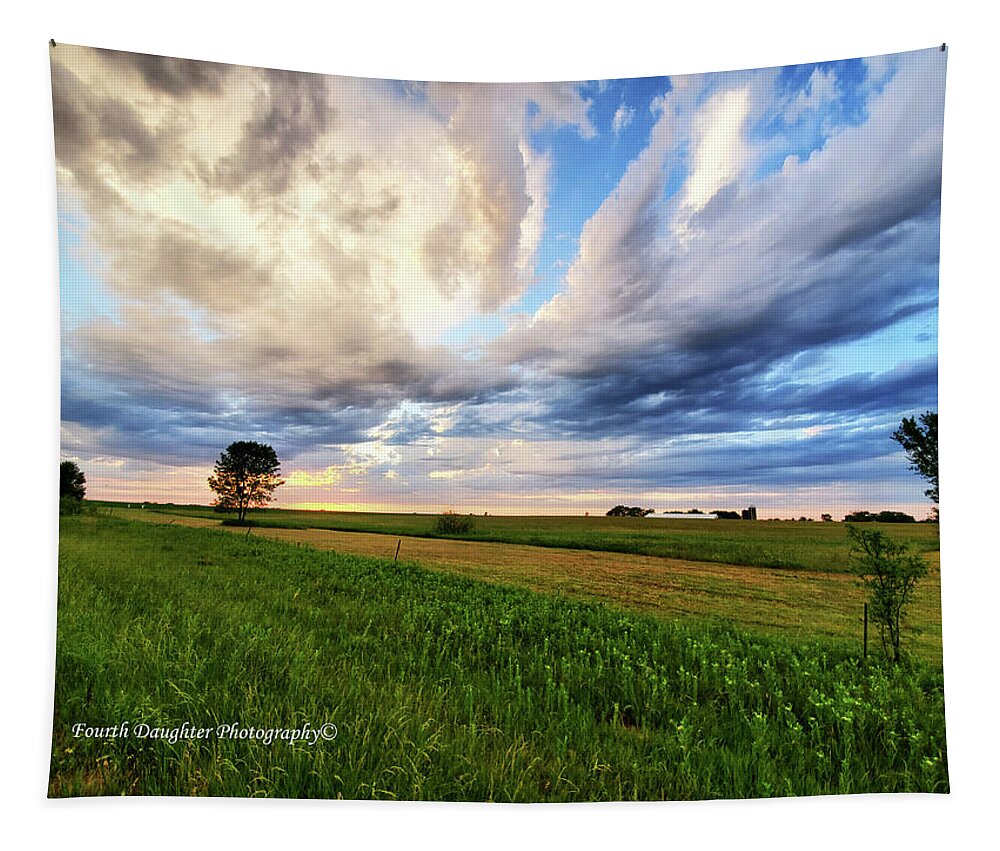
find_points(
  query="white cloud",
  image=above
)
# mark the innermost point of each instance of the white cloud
(819, 92)
(533, 224)
(645, 292)
(720, 149)
(623, 117)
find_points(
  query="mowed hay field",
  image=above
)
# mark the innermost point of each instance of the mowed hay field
(444, 687)
(800, 603)
(789, 544)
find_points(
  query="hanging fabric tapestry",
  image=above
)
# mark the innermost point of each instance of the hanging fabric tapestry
(512, 442)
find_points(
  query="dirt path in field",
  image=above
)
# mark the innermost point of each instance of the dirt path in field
(809, 603)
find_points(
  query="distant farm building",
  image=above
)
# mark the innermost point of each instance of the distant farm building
(680, 515)
(749, 513)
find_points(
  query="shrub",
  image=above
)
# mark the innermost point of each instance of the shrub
(890, 572)
(70, 505)
(451, 523)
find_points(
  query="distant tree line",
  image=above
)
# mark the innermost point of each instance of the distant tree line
(636, 511)
(881, 517)
(854, 517)
(630, 511)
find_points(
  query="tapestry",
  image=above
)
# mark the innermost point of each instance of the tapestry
(509, 442)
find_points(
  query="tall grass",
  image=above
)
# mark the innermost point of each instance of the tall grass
(444, 688)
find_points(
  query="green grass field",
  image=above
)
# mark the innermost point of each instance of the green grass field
(793, 604)
(785, 544)
(447, 688)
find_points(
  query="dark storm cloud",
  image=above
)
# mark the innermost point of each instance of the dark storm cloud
(902, 388)
(175, 260)
(242, 381)
(917, 200)
(120, 124)
(361, 217)
(189, 429)
(169, 74)
(289, 117)
(717, 402)
(90, 129)
(74, 128)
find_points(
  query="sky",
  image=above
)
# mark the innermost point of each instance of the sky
(704, 291)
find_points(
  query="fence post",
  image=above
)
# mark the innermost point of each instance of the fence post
(866, 630)
(398, 543)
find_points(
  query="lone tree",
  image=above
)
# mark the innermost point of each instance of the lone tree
(71, 481)
(890, 572)
(920, 442)
(246, 475)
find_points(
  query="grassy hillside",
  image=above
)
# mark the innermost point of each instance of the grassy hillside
(446, 688)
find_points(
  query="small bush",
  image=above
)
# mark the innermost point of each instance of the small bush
(451, 523)
(70, 505)
(890, 573)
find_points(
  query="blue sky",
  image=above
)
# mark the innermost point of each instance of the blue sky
(702, 291)
(585, 171)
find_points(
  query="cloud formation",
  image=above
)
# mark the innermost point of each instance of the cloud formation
(828, 250)
(288, 241)
(340, 266)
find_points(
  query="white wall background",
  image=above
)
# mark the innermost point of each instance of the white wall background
(516, 39)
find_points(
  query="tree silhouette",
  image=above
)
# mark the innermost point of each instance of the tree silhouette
(629, 511)
(246, 475)
(920, 442)
(71, 481)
